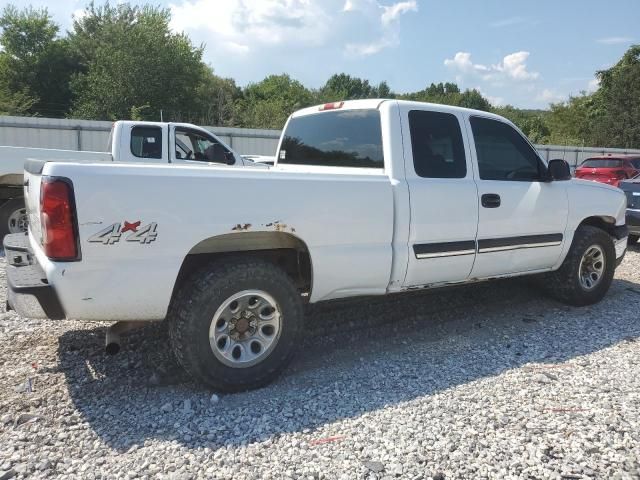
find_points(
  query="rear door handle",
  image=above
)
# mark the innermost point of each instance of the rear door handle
(490, 200)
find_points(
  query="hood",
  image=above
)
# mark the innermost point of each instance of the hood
(591, 183)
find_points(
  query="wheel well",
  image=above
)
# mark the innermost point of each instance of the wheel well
(282, 249)
(608, 224)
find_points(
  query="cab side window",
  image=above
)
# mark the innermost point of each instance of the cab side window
(437, 146)
(503, 154)
(190, 145)
(146, 142)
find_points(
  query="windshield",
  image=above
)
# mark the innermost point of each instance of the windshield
(350, 138)
(602, 163)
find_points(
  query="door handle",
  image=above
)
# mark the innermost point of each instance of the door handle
(490, 200)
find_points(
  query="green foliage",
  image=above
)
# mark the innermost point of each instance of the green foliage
(268, 103)
(129, 57)
(35, 65)
(616, 108)
(345, 87)
(449, 94)
(216, 99)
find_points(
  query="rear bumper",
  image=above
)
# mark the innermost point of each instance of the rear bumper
(28, 291)
(633, 221)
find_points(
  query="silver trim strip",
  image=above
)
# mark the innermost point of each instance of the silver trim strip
(453, 253)
(518, 247)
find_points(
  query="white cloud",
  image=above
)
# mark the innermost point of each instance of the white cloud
(366, 49)
(250, 26)
(515, 66)
(550, 96)
(394, 11)
(512, 67)
(614, 40)
(79, 14)
(241, 25)
(593, 85)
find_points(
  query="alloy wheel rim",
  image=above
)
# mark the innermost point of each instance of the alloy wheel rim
(592, 267)
(245, 329)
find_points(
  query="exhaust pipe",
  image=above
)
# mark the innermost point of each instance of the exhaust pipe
(112, 338)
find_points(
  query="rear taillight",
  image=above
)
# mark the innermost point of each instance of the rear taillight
(58, 219)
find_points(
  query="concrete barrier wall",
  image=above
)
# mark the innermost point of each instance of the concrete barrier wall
(93, 136)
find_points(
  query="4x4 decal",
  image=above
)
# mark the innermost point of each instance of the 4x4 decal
(113, 233)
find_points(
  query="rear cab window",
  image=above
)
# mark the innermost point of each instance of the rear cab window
(602, 163)
(146, 142)
(344, 138)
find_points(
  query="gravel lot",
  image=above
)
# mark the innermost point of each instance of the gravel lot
(485, 381)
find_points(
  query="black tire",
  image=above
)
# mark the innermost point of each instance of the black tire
(6, 212)
(565, 285)
(633, 239)
(194, 306)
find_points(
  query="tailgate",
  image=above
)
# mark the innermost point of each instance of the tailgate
(32, 178)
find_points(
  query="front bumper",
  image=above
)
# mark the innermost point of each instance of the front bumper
(28, 292)
(633, 221)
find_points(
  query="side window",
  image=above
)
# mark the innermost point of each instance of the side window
(192, 145)
(502, 152)
(184, 147)
(436, 142)
(146, 142)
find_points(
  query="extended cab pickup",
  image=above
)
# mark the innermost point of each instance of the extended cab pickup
(129, 141)
(367, 197)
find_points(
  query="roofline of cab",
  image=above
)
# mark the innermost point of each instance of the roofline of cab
(376, 103)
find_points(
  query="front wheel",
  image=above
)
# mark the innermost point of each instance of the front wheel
(235, 325)
(633, 239)
(587, 272)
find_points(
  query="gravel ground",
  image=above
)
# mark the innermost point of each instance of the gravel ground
(485, 381)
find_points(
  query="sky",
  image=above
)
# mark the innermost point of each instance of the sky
(525, 54)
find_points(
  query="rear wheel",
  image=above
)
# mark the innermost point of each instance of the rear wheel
(13, 217)
(236, 325)
(633, 239)
(587, 272)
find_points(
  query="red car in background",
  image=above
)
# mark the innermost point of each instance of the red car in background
(609, 169)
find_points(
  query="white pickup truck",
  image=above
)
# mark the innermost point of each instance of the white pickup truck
(367, 197)
(129, 141)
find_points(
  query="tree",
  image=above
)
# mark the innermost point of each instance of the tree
(449, 94)
(35, 65)
(217, 97)
(572, 122)
(616, 109)
(268, 103)
(129, 58)
(472, 99)
(345, 87)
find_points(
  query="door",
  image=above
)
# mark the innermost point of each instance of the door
(522, 217)
(191, 146)
(443, 197)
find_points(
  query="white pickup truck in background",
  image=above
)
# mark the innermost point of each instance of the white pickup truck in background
(129, 141)
(368, 197)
